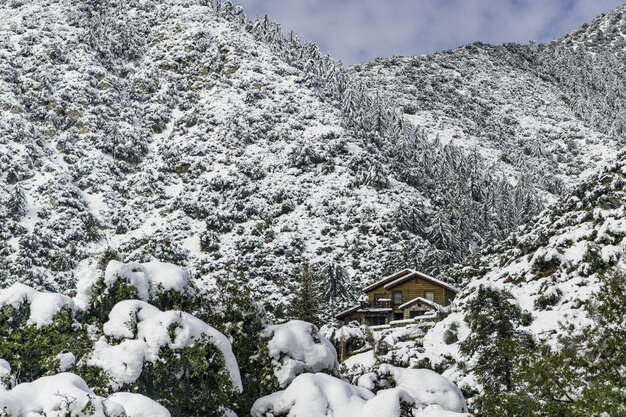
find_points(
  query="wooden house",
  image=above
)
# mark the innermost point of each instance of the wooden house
(401, 296)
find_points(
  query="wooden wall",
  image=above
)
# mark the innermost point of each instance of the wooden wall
(413, 288)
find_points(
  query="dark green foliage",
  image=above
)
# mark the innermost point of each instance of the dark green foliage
(16, 203)
(585, 376)
(209, 241)
(190, 382)
(241, 319)
(107, 256)
(31, 351)
(496, 343)
(335, 284)
(543, 267)
(307, 300)
(451, 334)
(105, 297)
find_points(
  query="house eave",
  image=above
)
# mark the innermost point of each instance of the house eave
(406, 271)
(425, 277)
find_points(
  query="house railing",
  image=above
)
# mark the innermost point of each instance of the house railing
(376, 304)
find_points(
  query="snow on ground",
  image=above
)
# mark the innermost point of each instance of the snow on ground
(434, 338)
(67, 394)
(296, 347)
(43, 305)
(393, 336)
(144, 330)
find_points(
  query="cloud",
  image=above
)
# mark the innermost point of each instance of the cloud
(360, 30)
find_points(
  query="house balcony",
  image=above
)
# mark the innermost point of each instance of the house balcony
(379, 305)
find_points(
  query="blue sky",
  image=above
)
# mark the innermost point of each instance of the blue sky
(360, 30)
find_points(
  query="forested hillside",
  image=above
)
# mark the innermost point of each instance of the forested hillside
(540, 323)
(184, 132)
(545, 114)
(181, 187)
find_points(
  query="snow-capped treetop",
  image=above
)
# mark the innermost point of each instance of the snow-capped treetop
(313, 395)
(296, 347)
(321, 395)
(68, 394)
(43, 306)
(426, 387)
(148, 278)
(143, 330)
(136, 405)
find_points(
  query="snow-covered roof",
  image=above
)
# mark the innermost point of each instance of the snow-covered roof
(421, 300)
(401, 276)
(388, 278)
(425, 278)
(346, 312)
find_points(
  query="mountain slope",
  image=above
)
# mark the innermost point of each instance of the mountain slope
(552, 263)
(546, 113)
(550, 272)
(182, 131)
(185, 132)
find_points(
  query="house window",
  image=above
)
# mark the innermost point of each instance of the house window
(398, 316)
(429, 295)
(413, 314)
(397, 297)
(378, 297)
(376, 320)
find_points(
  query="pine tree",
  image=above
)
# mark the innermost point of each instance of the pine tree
(17, 202)
(335, 284)
(307, 301)
(496, 344)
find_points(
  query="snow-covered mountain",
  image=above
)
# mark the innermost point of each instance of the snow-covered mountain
(184, 132)
(549, 113)
(551, 264)
(606, 33)
(153, 149)
(181, 131)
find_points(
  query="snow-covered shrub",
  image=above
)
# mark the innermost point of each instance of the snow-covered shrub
(425, 387)
(165, 354)
(36, 327)
(322, 395)
(450, 335)
(296, 347)
(5, 375)
(161, 354)
(314, 395)
(163, 284)
(242, 319)
(67, 394)
(548, 297)
(545, 263)
(345, 339)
